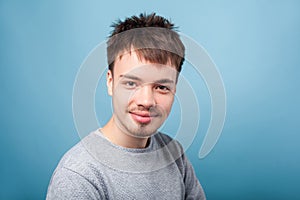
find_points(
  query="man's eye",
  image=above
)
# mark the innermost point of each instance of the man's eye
(130, 84)
(163, 88)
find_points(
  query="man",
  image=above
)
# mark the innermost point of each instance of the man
(128, 158)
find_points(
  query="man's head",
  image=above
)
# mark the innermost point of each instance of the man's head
(145, 57)
(152, 37)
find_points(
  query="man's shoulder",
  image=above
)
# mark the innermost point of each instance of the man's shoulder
(78, 158)
(77, 171)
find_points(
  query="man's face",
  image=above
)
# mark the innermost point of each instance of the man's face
(142, 94)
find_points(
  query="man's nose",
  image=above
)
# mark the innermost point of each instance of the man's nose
(144, 96)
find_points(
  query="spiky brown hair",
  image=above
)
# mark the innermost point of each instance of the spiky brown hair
(152, 37)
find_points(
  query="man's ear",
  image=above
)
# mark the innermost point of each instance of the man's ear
(109, 82)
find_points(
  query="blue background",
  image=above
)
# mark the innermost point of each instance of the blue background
(255, 45)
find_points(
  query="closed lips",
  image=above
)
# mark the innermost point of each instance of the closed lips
(144, 114)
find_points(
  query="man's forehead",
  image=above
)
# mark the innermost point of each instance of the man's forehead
(135, 55)
(130, 63)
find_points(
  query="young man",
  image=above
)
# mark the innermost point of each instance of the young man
(128, 158)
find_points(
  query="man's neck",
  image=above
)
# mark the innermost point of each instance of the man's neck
(117, 137)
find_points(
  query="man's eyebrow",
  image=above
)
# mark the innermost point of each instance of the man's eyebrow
(132, 77)
(161, 81)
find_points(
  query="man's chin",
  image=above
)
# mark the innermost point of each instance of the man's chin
(142, 133)
(140, 130)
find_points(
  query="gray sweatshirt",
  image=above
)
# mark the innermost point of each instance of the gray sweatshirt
(97, 169)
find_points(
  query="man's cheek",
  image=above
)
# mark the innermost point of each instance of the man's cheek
(122, 99)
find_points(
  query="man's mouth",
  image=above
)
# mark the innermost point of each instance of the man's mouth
(143, 117)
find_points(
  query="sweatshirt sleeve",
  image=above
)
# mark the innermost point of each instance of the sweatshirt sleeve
(68, 184)
(193, 189)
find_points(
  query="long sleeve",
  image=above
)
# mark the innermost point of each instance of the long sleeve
(193, 189)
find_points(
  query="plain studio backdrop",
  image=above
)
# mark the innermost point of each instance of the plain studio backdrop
(254, 44)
